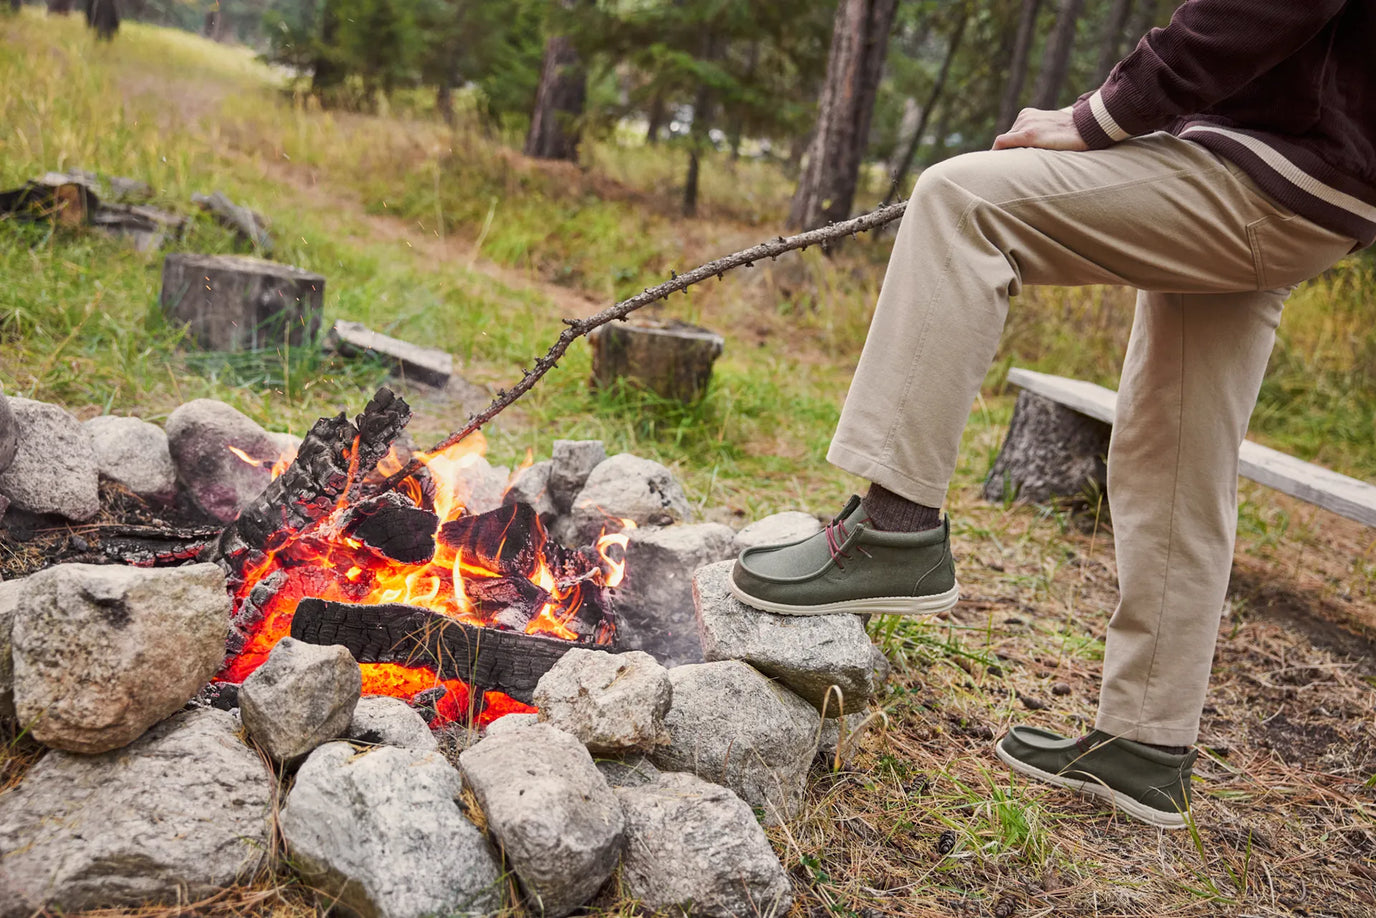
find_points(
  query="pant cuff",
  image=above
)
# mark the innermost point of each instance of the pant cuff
(1155, 734)
(871, 469)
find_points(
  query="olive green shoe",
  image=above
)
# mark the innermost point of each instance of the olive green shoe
(1152, 785)
(851, 567)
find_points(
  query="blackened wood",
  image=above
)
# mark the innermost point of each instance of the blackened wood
(314, 483)
(235, 303)
(485, 658)
(389, 524)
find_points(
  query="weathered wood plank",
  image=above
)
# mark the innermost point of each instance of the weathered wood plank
(1312, 483)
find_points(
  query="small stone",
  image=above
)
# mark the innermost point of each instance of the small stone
(694, 848)
(654, 604)
(1060, 689)
(789, 526)
(628, 487)
(135, 454)
(532, 487)
(381, 833)
(551, 811)
(511, 722)
(380, 720)
(303, 695)
(200, 434)
(570, 464)
(103, 652)
(54, 467)
(814, 655)
(731, 725)
(613, 703)
(182, 813)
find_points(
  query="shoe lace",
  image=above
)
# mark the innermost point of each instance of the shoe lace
(837, 534)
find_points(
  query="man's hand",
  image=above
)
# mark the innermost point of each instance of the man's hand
(1035, 127)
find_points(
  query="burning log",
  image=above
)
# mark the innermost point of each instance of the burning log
(329, 467)
(486, 658)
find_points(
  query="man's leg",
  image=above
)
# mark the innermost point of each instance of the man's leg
(1190, 379)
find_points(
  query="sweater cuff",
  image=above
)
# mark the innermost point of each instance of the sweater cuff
(1097, 127)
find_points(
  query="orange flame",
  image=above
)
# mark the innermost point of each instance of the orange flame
(279, 465)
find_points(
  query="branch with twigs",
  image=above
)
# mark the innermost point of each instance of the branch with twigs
(577, 328)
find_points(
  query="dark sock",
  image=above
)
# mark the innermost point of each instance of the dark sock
(894, 513)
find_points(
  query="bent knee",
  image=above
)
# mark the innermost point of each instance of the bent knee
(976, 175)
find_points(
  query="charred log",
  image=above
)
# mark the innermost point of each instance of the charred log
(392, 526)
(329, 466)
(485, 658)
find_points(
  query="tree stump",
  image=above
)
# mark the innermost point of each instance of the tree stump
(1050, 451)
(236, 303)
(670, 358)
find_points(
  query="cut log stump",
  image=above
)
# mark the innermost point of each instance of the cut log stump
(670, 358)
(1050, 451)
(236, 303)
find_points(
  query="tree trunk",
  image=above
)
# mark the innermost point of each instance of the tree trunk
(444, 103)
(655, 117)
(932, 101)
(697, 142)
(326, 73)
(1017, 67)
(16, 5)
(61, 6)
(1112, 48)
(1142, 20)
(554, 129)
(859, 43)
(1056, 59)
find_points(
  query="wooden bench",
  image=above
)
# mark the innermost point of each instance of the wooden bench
(1060, 431)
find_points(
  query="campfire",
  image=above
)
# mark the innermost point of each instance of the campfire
(456, 612)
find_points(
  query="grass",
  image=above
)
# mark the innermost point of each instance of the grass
(451, 238)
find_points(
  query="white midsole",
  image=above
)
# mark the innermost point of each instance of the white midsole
(878, 605)
(1120, 800)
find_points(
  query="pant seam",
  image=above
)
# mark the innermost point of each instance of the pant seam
(1170, 523)
(1082, 192)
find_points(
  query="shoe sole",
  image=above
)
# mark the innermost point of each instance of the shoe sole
(1158, 818)
(878, 605)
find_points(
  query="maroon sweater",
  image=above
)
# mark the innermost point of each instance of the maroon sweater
(1286, 89)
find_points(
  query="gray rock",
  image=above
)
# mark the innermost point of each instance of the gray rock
(732, 726)
(380, 720)
(654, 604)
(135, 454)
(808, 653)
(694, 848)
(199, 435)
(571, 461)
(511, 722)
(552, 812)
(303, 695)
(178, 815)
(9, 433)
(532, 487)
(613, 703)
(103, 652)
(628, 487)
(480, 485)
(840, 739)
(9, 603)
(381, 833)
(789, 526)
(287, 443)
(628, 771)
(54, 468)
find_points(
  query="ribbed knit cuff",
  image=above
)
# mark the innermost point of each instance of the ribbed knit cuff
(1097, 127)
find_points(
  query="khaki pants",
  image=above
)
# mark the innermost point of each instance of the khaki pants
(1214, 259)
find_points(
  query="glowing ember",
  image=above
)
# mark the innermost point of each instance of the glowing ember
(438, 557)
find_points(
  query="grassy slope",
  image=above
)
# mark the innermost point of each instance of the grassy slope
(452, 239)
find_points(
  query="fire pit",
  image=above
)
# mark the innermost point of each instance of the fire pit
(458, 612)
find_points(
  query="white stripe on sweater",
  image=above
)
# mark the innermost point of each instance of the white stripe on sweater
(1292, 173)
(1106, 122)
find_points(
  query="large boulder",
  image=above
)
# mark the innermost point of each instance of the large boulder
(54, 467)
(570, 464)
(381, 833)
(828, 660)
(613, 703)
(102, 652)
(220, 482)
(732, 726)
(303, 695)
(627, 487)
(9, 433)
(654, 604)
(694, 848)
(180, 814)
(381, 720)
(135, 454)
(552, 812)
